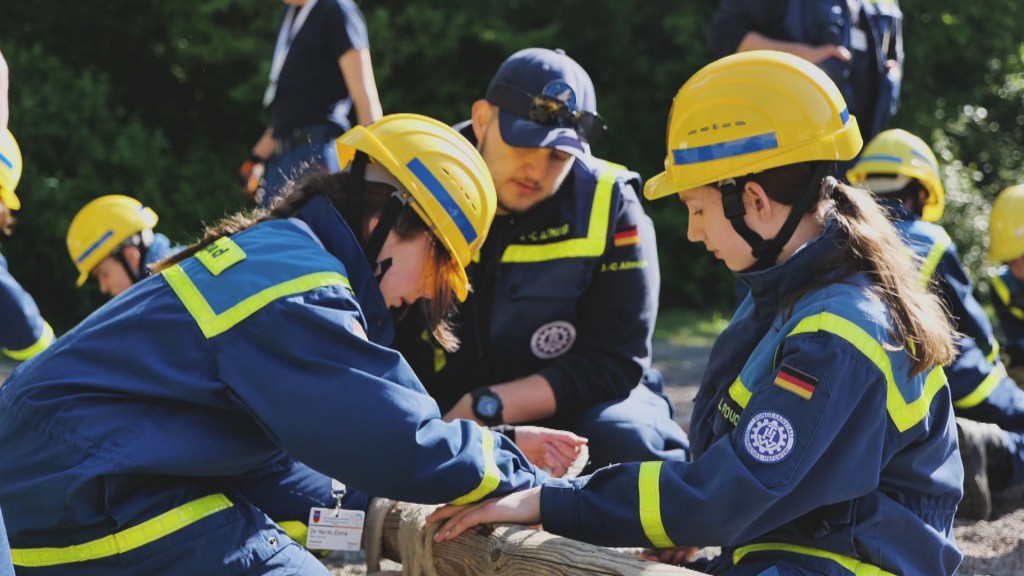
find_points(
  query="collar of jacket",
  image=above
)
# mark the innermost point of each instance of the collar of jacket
(896, 211)
(770, 287)
(334, 233)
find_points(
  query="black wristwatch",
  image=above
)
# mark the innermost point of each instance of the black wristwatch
(487, 406)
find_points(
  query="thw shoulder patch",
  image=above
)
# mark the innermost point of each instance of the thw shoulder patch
(796, 381)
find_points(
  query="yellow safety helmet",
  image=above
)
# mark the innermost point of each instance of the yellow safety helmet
(749, 112)
(101, 226)
(897, 156)
(1006, 225)
(450, 186)
(10, 170)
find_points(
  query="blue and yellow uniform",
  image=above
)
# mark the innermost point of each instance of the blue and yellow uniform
(1009, 307)
(811, 444)
(568, 290)
(23, 331)
(130, 444)
(980, 387)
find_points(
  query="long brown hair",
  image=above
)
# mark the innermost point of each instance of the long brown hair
(356, 212)
(920, 322)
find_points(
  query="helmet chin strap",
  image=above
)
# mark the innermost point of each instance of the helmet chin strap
(386, 222)
(767, 251)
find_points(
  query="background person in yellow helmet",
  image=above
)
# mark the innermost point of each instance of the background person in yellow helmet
(173, 428)
(23, 331)
(902, 171)
(558, 328)
(1006, 249)
(822, 445)
(112, 240)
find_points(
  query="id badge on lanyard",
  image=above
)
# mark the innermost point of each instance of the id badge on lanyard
(335, 529)
(290, 28)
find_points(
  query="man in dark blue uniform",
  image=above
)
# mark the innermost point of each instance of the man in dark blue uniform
(321, 69)
(557, 330)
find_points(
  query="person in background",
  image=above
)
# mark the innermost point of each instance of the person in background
(6, 569)
(1006, 250)
(557, 330)
(175, 428)
(111, 239)
(901, 170)
(23, 330)
(823, 434)
(321, 69)
(858, 43)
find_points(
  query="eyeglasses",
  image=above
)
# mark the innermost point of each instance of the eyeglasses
(547, 111)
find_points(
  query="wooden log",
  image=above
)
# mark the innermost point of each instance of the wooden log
(500, 550)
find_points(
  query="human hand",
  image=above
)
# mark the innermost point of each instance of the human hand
(818, 54)
(250, 175)
(675, 556)
(517, 507)
(553, 450)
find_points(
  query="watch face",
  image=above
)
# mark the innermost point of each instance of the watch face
(487, 406)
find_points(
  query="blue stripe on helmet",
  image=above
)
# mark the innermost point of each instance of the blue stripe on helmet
(444, 199)
(845, 116)
(106, 236)
(882, 158)
(728, 149)
(6, 162)
(926, 160)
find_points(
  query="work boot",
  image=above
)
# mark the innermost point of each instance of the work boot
(982, 449)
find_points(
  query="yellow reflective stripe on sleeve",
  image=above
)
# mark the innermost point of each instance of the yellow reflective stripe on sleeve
(979, 394)
(1003, 291)
(650, 505)
(212, 323)
(904, 414)
(129, 539)
(45, 339)
(220, 255)
(993, 354)
(931, 262)
(492, 476)
(593, 244)
(856, 567)
(739, 393)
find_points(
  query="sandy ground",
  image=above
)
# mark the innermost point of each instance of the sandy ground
(994, 548)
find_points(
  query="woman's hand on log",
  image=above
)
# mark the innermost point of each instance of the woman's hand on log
(517, 507)
(552, 450)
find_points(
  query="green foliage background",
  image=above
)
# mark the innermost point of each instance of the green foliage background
(161, 101)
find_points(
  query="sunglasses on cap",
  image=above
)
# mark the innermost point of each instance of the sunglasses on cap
(547, 111)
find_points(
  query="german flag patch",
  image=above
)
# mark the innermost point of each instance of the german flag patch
(626, 236)
(795, 381)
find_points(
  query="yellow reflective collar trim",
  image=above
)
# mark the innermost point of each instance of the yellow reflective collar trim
(129, 539)
(45, 339)
(650, 505)
(1004, 296)
(739, 393)
(904, 414)
(931, 262)
(979, 394)
(856, 567)
(593, 244)
(440, 360)
(492, 476)
(212, 323)
(220, 255)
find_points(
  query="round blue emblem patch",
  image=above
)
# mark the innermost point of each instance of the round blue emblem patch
(562, 91)
(769, 437)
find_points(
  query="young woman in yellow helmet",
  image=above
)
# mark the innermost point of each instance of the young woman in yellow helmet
(112, 240)
(902, 171)
(823, 435)
(23, 331)
(165, 432)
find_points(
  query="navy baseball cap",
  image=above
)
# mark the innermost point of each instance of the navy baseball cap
(546, 100)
